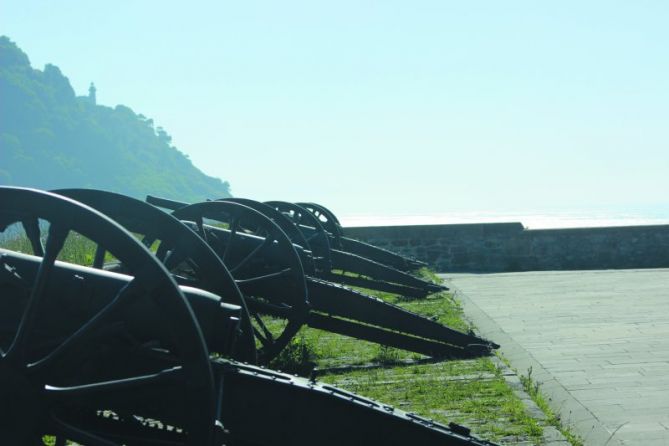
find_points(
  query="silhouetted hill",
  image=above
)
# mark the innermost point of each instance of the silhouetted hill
(50, 138)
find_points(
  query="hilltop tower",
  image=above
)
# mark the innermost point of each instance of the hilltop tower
(91, 93)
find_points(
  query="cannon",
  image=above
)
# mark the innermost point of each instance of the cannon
(106, 358)
(325, 262)
(334, 228)
(314, 252)
(269, 272)
(335, 264)
(369, 273)
(190, 260)
(195, 263)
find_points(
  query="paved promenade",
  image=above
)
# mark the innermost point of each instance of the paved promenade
(598, 341)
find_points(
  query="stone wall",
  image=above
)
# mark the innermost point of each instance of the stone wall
(505, 247)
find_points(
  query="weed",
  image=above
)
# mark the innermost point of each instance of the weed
(533, 389)
(387, 355)
(298, 357)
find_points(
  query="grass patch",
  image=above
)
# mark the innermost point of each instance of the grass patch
(472, 393)
(426, 273)
(469, 392)
(387, 355)
(533, 389)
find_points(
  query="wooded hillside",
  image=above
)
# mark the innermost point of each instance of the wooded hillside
(50, 138)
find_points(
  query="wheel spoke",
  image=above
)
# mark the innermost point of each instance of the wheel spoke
(263, 340)
(148, 240)
(199, 222)
(31, 226)
(163, 250)
(233, 231)
(54, 244)
(166, 376)
(261, 323)
(79, 337)
(283, 273)
(268, 241)
(260, 306)
(99, 260)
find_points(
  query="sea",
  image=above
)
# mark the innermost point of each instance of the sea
(530, 220)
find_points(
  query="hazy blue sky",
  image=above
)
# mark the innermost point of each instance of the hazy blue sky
(389, 107)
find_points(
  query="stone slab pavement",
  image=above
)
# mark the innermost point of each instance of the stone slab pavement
(597, 341)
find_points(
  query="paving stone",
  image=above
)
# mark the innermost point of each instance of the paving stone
(598, 341)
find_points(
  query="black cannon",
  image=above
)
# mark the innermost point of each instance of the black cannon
(331, 261)
(268, 271)
(271, 276)
(108, 358)
(331, 223)
(367, 262)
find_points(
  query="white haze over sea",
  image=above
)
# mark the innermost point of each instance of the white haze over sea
(530, 220)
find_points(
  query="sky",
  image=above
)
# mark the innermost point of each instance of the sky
(386, 107)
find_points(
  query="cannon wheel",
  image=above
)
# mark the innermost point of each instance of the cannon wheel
(319, 239)
(178, 246)
(323, 210)
(283, 283)
(287, 226)
(327, 219)
(32, 401)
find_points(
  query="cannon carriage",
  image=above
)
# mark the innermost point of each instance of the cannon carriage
(124, 357)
